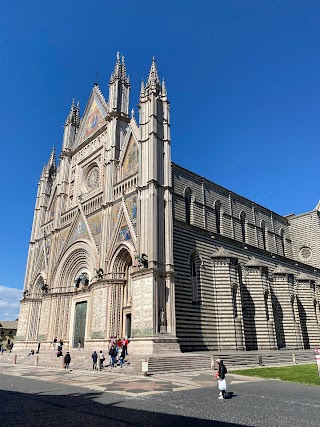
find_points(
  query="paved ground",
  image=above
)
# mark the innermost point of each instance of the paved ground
(46, 397)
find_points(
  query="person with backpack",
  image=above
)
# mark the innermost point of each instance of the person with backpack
(67, 360)
(101, 360)
(94, 360)
(221, 377)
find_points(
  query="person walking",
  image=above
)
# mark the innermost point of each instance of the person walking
(79, 344)
(55, 343)
(101, 360)
(67, 360)
(94, 360)
(221, 377)
(113, 354)
(122, 356)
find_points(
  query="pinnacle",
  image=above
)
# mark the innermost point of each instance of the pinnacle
(153, 79)
(119, 71)
(142, 89)
(74, 114)
(163, 88)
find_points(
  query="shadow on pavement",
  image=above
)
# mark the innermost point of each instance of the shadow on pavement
(84, 409)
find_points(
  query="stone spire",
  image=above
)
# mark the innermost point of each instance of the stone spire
(74, 114)
(120, 71)
(52, 158)
(119, 88)
(153, 81)
(71, 125)
(142, 89)
(163, 89)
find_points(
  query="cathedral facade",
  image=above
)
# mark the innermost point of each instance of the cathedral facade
(126, 243)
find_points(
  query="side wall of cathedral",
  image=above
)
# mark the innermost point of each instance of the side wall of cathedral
(305, 232)
(237, 283)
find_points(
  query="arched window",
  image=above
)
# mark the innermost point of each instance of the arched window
(282, 236)
(217, 209)
(264, 240)
(243, 226)
(188, 204)
(195, 279)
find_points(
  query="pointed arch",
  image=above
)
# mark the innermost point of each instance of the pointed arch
(121, 260)
(79, 258)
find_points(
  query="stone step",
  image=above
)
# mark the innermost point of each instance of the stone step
(164, 364)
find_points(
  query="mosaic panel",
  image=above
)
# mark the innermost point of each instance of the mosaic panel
(131, 159)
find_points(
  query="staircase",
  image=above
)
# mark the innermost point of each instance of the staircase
(183, 362)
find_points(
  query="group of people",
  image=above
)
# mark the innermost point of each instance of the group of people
(118, 350)
(58, 346)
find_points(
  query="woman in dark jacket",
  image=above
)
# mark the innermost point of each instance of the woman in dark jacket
(221, 375)
(67, 360)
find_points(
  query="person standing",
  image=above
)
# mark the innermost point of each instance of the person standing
(55, 343)
(79, 344)
(94, 360)
(39, 344)
(61, 344)
(67, 360)
(101, 360)
(221, 377)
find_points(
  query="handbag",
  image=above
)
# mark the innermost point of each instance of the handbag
(222, 385)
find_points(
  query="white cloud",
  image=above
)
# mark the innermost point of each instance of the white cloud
(9, 302)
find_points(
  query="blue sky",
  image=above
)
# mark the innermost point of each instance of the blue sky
(243, 78)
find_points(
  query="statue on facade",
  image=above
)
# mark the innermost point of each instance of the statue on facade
(83, 280)
(162, 322)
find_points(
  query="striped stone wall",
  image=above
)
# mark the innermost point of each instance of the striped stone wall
(248, 296)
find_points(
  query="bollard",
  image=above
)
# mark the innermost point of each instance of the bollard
(36, 360)
(260, 361)
(294, 358)
(145, 368)
(14, 359)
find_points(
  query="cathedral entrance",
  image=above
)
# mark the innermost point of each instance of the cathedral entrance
(128, 326)
(80, 323)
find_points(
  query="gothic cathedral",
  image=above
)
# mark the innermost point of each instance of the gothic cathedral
(126, 243)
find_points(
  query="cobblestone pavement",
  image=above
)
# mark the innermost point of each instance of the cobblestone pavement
(118, 382)
(47, 397)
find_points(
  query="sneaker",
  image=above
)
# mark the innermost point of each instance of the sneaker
(220, 397)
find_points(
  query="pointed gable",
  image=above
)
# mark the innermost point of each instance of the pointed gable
(80, 231)
(94, 116)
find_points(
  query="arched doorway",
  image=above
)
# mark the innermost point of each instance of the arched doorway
(70, 302)
(35, 309)
(121, 294)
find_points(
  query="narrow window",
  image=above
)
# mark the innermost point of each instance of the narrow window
(243, 226)
(194, 275)
(188, 196)
(283, 242)
(264, 240)
(218, 216)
